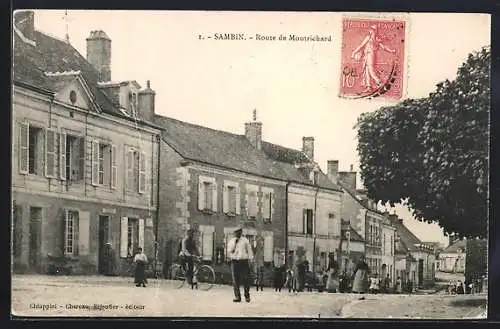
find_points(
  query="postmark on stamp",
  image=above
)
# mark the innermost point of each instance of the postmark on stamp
(373, 58)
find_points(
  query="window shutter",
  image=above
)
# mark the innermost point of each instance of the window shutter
(124, 237)
(141, 233)
(114, 169)
(50, 153)
(237, 201)
(83, 232)
(142, 172)
(225, 199)
(129, 173)
(62, 156)
(23, 148)
(201, 195)
(271, 215)
(304, 221)
(268, 247)
(95, 162)
(200, 243)
(214, 196)
(65, 232)
(266, 205)
(82, 152)
(208, 245)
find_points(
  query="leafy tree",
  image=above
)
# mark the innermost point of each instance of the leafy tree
(431, 154)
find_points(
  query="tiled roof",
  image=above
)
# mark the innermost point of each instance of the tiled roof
(353, 194)
(355, 236)
(407, 238)
(228, 150)
(287, 158)
(453, 248)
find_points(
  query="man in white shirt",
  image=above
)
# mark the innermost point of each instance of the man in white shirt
(240, 253)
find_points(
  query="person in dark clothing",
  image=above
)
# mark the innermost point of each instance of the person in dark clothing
(186, 255)
(360, 281)
(278, 278)
(108, 266)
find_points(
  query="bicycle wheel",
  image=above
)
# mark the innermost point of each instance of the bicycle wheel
(206, 277)
(177, 275)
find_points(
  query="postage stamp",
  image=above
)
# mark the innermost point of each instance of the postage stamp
(372, 58)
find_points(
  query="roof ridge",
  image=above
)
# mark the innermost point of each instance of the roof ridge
(198, 125)
(53, 36)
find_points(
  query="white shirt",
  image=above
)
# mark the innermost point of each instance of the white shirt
(141, 257)
(240, 250)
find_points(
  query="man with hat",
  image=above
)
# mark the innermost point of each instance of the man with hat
(240, 253)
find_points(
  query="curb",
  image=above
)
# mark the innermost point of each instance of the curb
(346, 310)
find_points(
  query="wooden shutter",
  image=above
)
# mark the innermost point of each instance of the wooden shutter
(268, 247)
(214, 196)
(50, 153)
(83, 232)
(266, 205)
(225, 199)
(65, 231)
(62, 156)
(141, 233)
(271, 215)
(201, 195)
(114, 168)
(124, 237)
(82, 152)
(208, 245)
(95, 162)
(304, 221)
(237, 199)
(23, 148)
(142, 172)
(129, 172)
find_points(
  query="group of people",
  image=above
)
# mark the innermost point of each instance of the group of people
(469, 287)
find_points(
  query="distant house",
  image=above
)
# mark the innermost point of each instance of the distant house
(424, 254)
(452, 259)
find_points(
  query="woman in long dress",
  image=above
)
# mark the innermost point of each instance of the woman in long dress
(332, 283)
(360, 284)
(140, 261)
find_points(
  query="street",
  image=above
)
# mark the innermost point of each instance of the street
(36, 295)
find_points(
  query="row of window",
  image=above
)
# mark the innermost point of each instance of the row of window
(63, 156)
(374, 235)
(256, 203)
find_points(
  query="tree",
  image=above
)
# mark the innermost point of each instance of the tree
(431, 154)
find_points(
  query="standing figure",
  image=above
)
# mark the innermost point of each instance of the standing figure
(240, 253)
(374, 284)
(278, 278)
(259, 279)
(289, 281)
(140, 261)
(360, 283)
(109, 260)
(188, 250)
(399, 285)
(367, 52)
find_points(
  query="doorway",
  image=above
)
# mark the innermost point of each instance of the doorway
(420, 272)
(35, 228)
(103, 239)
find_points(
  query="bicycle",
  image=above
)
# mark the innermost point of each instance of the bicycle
(203, 275)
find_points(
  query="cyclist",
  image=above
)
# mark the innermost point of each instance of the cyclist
(188, 250)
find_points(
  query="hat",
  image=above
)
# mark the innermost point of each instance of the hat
(238, 229)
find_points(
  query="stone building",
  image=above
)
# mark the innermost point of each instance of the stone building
(84, 159)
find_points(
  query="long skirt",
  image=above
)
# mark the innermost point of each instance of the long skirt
(332, 283)
(140, 273)
(360, 284)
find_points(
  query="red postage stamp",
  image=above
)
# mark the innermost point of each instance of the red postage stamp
(373, 58)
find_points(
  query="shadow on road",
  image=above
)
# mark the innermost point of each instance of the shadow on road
(471, 302)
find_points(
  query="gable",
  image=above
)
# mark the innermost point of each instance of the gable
(74, 93)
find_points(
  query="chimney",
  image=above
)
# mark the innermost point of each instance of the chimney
(99, 54)
(348, 178)
(253, 131)
(24, 23)
(308, 147)
(333, 170)
(146, 102)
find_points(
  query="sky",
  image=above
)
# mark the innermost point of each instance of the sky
(293, 85)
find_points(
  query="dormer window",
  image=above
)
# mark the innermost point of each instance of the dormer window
(132, 101)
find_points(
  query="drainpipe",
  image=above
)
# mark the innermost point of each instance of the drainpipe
(157, 204)
(314, 233)
(286, 224)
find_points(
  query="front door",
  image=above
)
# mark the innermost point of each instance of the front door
(35, 238)
(420, 272)
(103, 239)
